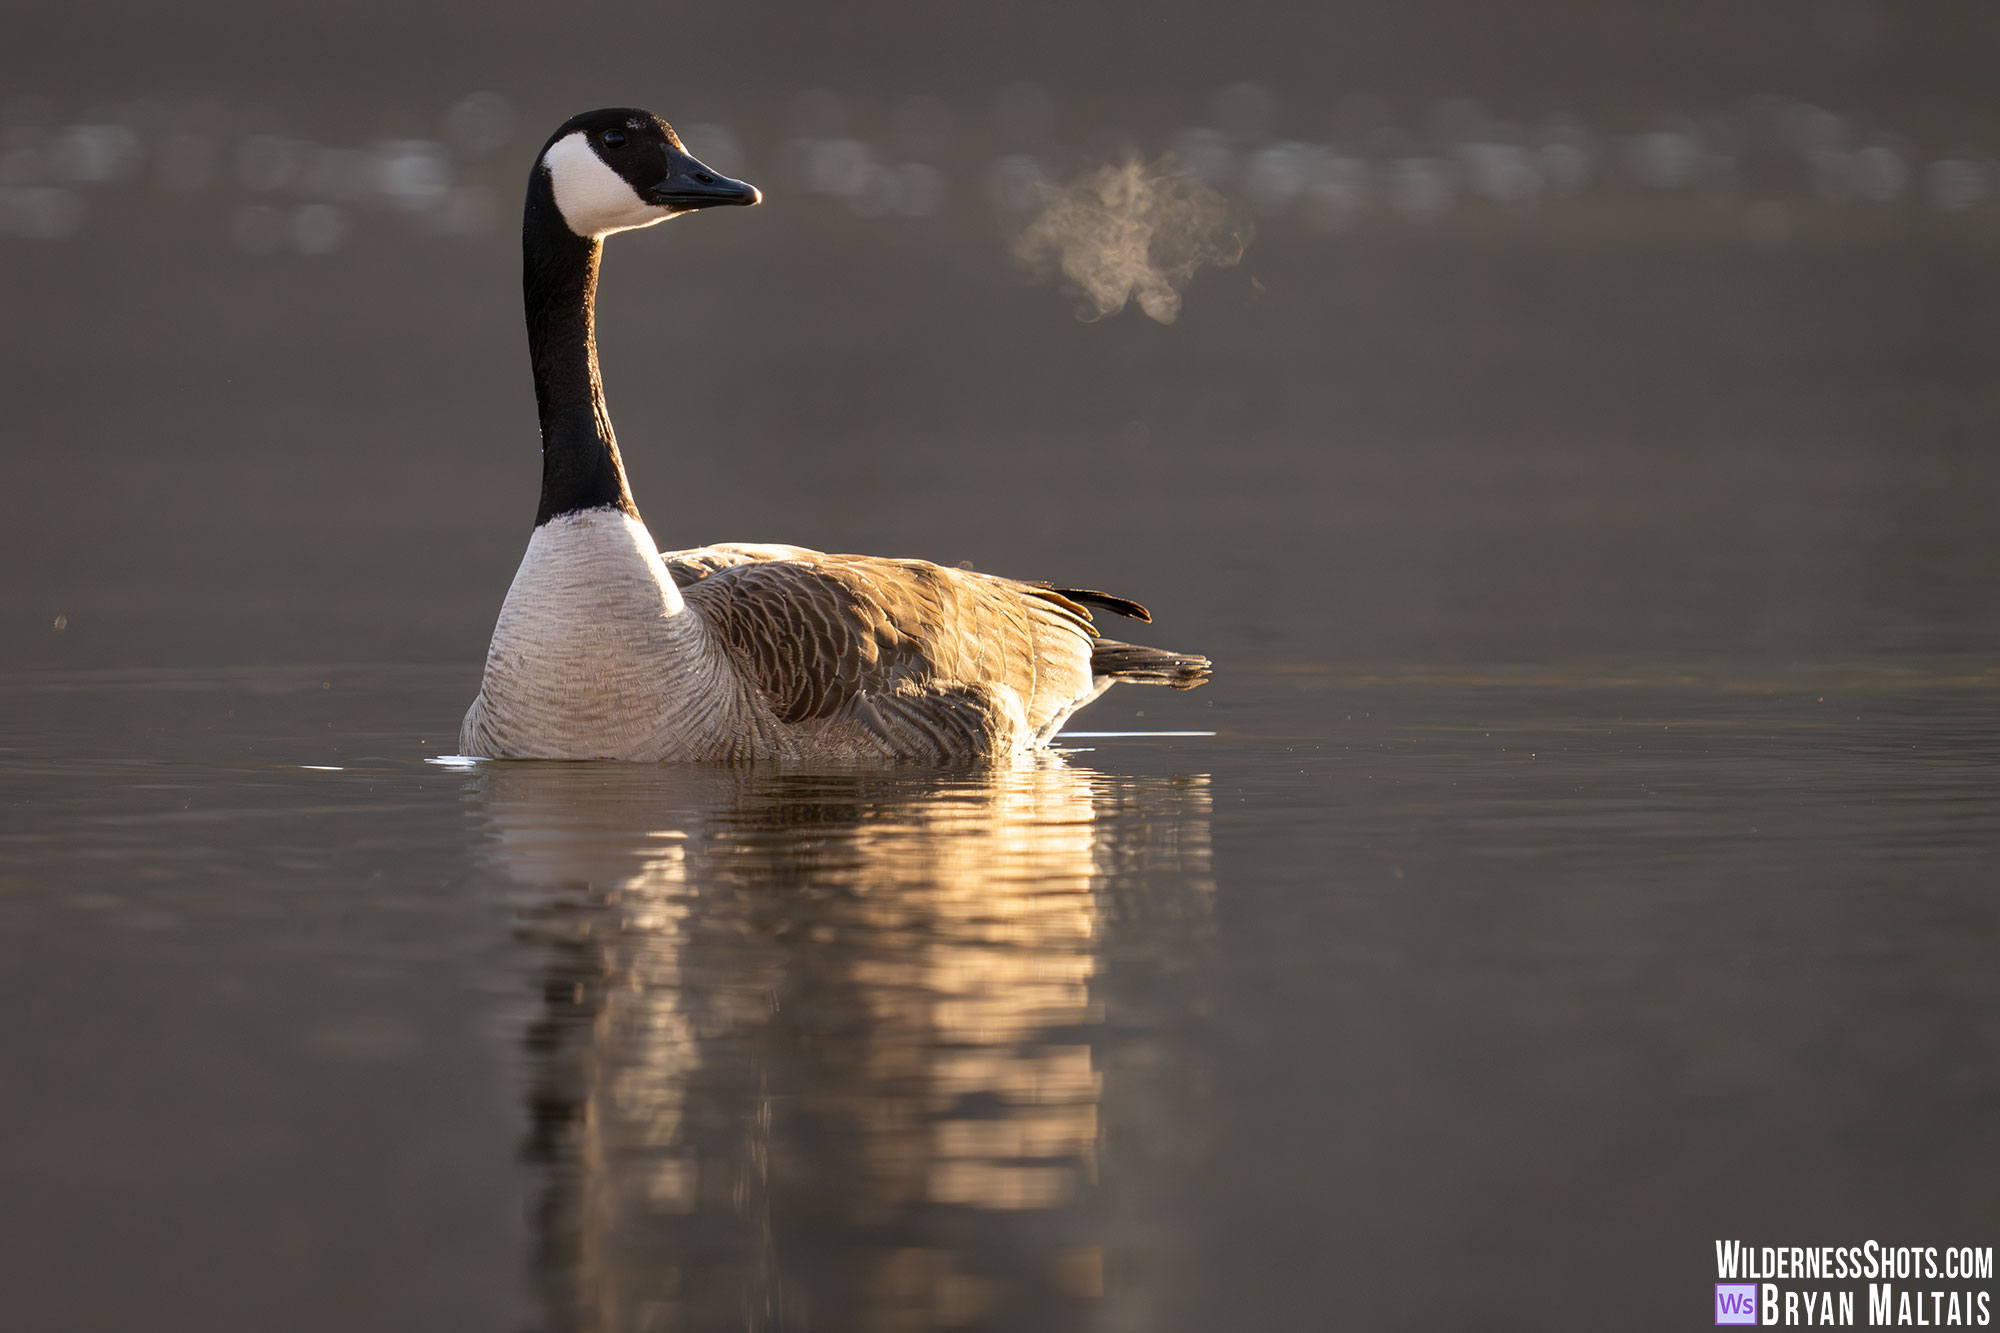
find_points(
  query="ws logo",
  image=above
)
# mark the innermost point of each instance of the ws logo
(1736, 1302)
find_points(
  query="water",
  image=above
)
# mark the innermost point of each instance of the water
(1584, 852)
(1394, 972)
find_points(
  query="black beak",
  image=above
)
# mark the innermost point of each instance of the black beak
(689, 184)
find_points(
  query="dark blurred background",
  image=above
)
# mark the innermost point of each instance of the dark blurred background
(1567, 330)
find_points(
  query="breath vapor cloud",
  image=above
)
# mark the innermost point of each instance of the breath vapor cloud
(1136, 232)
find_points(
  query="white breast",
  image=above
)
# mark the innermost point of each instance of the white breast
(595, 656)
(595, 566)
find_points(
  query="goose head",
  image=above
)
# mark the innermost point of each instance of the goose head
(621, 168)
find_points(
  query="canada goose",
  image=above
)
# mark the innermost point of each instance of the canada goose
(606, 648)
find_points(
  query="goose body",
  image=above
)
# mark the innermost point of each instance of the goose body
(608, 649)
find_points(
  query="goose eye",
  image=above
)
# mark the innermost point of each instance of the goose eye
(614, 138)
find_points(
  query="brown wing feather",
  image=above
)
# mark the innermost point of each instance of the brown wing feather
(815, 633)
(691, 566)
(1123, 606)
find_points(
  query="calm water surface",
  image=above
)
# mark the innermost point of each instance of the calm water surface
(1505, 977)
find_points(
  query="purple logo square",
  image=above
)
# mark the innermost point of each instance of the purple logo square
(1736, 1302)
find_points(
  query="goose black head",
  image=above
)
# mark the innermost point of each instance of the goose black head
(619, 168)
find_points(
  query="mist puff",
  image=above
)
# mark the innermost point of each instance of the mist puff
(1136, 232)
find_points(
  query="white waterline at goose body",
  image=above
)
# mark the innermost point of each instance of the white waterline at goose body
(607, 648)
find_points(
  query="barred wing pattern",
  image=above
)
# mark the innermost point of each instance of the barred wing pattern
(927, 661)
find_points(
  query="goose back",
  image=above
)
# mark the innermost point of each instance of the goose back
(925, 661)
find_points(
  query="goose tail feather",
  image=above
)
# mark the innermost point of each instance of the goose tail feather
(1111, 660)
(1103, 601)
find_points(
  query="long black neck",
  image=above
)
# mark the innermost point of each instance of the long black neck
(580, 465)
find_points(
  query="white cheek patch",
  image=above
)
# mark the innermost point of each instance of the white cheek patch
(594, 199)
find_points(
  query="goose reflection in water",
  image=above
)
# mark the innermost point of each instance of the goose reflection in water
(859, 1051)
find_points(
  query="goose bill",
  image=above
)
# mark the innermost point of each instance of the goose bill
(692, 185)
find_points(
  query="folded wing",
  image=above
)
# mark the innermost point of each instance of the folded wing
(908, 649)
